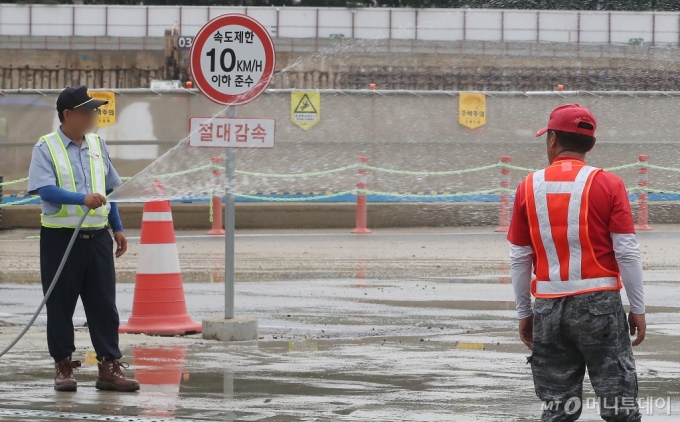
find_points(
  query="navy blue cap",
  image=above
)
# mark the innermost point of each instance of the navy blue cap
(75, 97)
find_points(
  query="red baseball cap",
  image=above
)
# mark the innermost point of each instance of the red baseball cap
(571, 118)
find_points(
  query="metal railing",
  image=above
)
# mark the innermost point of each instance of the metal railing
(467, 24)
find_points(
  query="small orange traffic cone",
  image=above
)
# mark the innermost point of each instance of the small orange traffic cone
(158, 307)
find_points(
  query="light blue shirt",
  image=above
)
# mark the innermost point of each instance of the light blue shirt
(42, 171)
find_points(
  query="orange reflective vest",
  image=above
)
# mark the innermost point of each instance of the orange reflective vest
(557, 205)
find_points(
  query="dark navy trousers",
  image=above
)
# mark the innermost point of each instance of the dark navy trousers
(88, 273)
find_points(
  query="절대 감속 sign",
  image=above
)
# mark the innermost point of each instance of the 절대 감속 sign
(232, 132)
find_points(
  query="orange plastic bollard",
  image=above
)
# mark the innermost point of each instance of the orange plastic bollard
(361, 200)
(643, 200)
(504, 218)
(217, 202)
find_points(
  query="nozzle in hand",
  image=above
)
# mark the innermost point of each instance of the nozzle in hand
(94, 200)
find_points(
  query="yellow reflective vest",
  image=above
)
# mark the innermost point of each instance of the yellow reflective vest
(69, 215)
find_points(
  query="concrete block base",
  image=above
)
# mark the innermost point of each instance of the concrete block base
(239, 328)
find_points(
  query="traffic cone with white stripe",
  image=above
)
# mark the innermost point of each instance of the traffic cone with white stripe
(158, 307)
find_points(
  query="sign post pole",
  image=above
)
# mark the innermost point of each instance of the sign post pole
(232, 60)
(229, 227)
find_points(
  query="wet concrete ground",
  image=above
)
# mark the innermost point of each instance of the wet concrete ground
(397, 325)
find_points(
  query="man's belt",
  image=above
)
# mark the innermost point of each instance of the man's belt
(91, 234)
(84, 234)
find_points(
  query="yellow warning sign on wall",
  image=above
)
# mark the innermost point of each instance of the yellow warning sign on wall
(305, 108)
(107, 114)
(472, 110)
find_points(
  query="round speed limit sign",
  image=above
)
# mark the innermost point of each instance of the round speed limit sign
(232, 59)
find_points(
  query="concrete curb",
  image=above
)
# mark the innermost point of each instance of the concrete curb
(296, 216)
(324, 215)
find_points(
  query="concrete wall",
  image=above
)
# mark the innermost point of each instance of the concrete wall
(294, 216)
(562, 26)
(398, 130)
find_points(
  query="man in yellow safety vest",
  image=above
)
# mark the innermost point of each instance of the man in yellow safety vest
(70, 168)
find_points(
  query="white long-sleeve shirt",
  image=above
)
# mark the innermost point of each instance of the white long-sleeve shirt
(626, 251)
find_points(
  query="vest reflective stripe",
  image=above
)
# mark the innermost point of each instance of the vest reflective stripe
(70, 222)
(64, 170)
(69, 215)
(97, 171)
(575, 189)
(572, 286)
(558, 246)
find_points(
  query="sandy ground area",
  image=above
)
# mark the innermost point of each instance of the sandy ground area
(412, 324)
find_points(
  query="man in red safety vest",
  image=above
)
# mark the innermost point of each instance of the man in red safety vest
(573, 224)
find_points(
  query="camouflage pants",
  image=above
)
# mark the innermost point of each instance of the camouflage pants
(573, 333)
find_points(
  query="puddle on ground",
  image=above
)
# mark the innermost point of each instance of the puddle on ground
(392, 378)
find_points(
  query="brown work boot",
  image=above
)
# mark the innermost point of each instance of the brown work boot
(65, 381)
(111, 377)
